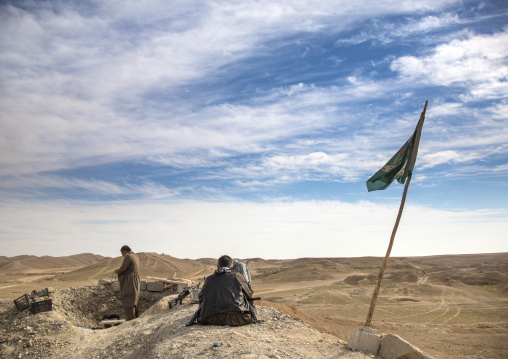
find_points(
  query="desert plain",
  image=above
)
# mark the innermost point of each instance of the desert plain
(449, 306)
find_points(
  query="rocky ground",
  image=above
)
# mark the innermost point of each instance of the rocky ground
(67, 331)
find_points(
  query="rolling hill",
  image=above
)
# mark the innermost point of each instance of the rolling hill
(31, 264)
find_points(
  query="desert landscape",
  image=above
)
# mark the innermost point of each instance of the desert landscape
(449, 306)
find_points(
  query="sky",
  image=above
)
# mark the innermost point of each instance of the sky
(249, 128)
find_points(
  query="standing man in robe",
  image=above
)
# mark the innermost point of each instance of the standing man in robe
(128, 276)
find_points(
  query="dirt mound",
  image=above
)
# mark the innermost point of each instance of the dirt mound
(363, 279)
(87, 306)
(297, 274)
(404, 274)
(471, 277)
(339, 328)
(402, 277)
(158, 333)
(502, 288)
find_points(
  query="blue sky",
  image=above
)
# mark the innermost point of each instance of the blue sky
(198, 128)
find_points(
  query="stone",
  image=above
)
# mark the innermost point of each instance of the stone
(155, 286)
(392, 346)
(364, 340)
(142, 285)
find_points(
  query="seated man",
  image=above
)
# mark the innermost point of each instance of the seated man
(225, 297)
(242, 268)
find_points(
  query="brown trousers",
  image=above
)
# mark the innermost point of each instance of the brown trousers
(131, 311)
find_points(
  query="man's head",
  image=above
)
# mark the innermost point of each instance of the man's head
(124, 250)
(225, 261)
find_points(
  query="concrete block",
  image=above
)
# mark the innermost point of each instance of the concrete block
(142, 285)
(115, 286)
(155, 286)
(353, 339)
(195, 295)
(394, 347)
(364, 340)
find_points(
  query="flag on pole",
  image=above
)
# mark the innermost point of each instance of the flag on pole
(401, 164)
(399, 167)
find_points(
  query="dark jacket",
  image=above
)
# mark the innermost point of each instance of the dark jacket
(224, 298)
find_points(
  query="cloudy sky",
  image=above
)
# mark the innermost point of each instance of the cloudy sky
(198, 128)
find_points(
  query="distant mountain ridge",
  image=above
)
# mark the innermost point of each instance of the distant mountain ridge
(88, 266)
(150, 264)
(476, 269)
(25, 263)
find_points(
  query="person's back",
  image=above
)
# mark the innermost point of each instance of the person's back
(130, 264)
(225, 297)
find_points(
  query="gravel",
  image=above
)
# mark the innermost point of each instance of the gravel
(67, 331)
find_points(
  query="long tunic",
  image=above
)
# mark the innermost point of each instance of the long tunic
(128, 276)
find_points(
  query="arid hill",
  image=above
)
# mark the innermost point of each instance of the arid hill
(151, 264)
(450, 306)
(22, 274)
(68, 332)
(45, 264)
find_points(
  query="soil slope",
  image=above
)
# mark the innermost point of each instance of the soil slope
(158, 333)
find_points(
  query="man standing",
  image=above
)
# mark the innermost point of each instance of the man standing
(225, 297)
(128, 276)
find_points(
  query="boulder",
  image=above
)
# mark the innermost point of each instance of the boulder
(392, 346)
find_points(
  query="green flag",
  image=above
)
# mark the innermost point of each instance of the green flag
(401, 164)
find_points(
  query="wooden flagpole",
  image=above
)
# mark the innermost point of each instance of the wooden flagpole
(382, 269)
(401, 208)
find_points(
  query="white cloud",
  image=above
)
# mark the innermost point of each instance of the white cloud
(447, 109)
(314, 166)
(438, 158)
(278, 229)
(11, 186)
(386, 32)
(77, 79)
(50, 141)
(501, 168)
(478, 63)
